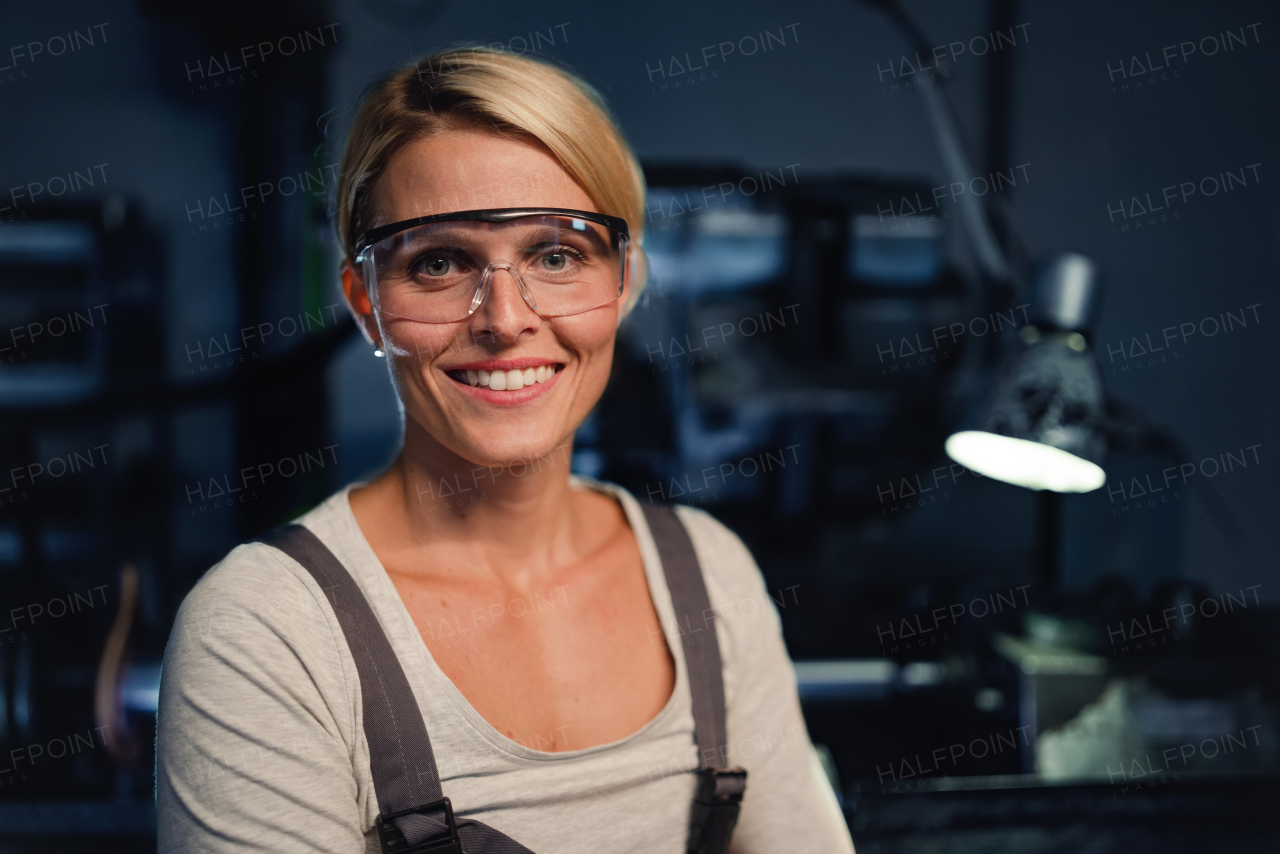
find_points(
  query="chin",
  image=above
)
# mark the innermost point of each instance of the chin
(517, 452)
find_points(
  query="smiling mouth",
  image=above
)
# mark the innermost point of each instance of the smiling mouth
(512, 380)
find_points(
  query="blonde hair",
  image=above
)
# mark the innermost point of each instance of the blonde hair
(496, 91)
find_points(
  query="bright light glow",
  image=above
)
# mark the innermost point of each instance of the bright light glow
(1023, 462)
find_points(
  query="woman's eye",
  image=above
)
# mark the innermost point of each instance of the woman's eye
(436, 266)
(555, 261)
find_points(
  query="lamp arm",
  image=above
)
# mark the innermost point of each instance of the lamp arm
(955, 158)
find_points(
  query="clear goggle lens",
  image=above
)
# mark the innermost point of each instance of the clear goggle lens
(441, 272)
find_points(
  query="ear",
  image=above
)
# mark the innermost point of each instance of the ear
(358, 302)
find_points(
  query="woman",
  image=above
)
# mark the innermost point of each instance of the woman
(527, 608)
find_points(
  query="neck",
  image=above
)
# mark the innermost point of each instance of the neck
(518, 513)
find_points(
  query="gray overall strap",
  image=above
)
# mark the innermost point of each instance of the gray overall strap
(720, 789)
(401, 761)
(697, 629)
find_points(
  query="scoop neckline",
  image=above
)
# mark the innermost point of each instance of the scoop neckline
(654, 576)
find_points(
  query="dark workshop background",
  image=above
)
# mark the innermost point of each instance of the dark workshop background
(166, 182)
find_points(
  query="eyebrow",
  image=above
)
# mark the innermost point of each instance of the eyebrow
(547, 233)
(464, 236)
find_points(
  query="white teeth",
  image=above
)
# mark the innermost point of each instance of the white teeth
(512, 380)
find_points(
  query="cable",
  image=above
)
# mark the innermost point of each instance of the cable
(956, 156)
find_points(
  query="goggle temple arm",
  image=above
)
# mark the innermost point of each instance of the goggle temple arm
(366, 274)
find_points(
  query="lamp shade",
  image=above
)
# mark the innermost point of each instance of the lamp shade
(1042, 425)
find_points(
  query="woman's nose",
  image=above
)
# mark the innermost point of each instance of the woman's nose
(506, 309)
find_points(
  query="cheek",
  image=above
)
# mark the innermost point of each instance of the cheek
(592, 338)
(413, 351)
(415, 346)
(590, 331)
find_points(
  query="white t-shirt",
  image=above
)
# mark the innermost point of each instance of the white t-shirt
(261, 744)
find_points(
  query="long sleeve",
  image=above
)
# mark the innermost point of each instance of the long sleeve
(789, 805)
(254, 748)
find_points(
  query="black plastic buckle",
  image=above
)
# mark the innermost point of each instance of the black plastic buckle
(393, 841)
(715, 809)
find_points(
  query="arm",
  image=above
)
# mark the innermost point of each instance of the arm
(254, 743)
(789, 805)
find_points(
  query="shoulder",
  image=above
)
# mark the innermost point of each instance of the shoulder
(254, 607)
(258, 713)
(711, 535)
(254, 583)
(254, 648)
(735, 587)
(734, 582)
(726, 562)
(256, 579)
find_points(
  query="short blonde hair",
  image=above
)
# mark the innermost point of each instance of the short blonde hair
(492, 90)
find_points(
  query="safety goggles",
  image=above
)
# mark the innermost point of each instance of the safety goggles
(440, 269)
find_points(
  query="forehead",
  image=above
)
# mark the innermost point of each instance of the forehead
(460, 170)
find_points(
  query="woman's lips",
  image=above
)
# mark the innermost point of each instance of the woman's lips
(505, 364)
